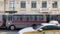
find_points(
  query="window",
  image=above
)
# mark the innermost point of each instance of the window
(27, 17)
(51, 27)
(21, 17)
(23, 4)
(54, 4)
(33, 4)
(9, 17)
(41, 17)
(35, 17)
(44, 4)
(31, 17)
(24, 17)
(4, 17)
(38, 18)
(46, 28)
(53, 17)
(14, 17)
(12, 3)
(58, 18)
(18, 17)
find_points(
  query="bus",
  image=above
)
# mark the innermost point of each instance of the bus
(13, 21)
(20, 21)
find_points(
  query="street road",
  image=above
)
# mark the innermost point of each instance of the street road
(8, 32)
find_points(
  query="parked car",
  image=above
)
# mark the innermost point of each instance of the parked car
(49, 27)
(43, 27)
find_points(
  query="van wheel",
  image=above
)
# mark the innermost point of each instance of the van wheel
(12, 27)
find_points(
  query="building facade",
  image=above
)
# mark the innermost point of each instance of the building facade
(1, 6)
(30, 6)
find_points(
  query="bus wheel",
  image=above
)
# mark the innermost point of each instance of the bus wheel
(12, 27)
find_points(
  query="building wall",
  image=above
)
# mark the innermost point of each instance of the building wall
(1, 6)
(28, 9)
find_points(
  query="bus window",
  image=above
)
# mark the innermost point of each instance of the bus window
(27, 17)
(58, 18)
(35, 17)
(14, 17)
(31, 17)
(24, 18)
(53, 17)
(41, 17)
(9, 17)
(21, 17)
(38, 18)
(17, 17)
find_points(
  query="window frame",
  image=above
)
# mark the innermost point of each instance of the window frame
(55, 4)
(12, 5)
(33, 4)
(44, 4)
(9, 18)
(51, 27)
(23, 4)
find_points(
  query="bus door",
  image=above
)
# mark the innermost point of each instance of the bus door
(4, 20)
(9, 19)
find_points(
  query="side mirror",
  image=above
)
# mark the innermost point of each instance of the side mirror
(40, 30)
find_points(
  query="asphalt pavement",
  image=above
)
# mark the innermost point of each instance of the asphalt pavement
(5, 31)
(8, 32)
